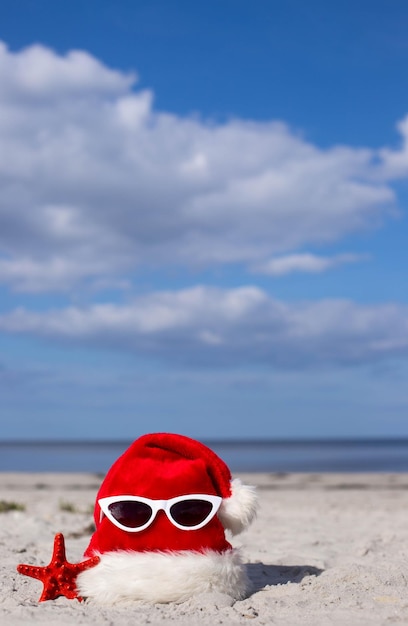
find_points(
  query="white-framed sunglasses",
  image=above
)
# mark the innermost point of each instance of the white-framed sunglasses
(135, 513)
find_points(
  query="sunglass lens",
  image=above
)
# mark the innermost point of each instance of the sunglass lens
(190, 512)
(131, 514)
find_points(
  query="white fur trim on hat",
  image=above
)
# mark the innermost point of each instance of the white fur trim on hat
(122, 576)
(238, 511)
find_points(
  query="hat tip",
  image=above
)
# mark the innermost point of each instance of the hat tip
(239, 510)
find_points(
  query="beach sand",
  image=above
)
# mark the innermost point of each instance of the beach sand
(325, 549)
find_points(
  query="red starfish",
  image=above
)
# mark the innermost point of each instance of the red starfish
(59, 576)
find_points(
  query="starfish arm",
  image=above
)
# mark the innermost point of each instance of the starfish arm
(58, 553)
(80, 567)
(31, 570)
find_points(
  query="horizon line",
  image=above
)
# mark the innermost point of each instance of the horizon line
(221, 441)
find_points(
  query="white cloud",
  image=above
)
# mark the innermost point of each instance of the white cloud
(38, 72)
(395, 162)
(305, 262)
(233, 327)
(96, 183)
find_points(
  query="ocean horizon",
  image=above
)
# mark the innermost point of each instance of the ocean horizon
(285, 455)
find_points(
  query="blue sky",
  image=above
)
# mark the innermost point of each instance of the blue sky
(203, 218)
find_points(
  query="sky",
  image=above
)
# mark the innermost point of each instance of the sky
(203, 219)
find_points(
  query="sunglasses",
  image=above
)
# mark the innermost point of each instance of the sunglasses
(135, 513)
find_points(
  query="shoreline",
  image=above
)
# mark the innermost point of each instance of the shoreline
(325, 548)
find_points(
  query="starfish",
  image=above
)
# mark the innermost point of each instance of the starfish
(59, 576)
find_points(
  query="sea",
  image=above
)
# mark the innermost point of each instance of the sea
(368, 455)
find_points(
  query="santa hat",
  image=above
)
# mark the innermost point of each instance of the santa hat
(163, 562)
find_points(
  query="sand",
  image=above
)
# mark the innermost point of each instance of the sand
(325, 549)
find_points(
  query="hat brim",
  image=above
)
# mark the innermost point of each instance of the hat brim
(122, 576)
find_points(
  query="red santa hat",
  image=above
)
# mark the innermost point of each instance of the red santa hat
(166, 561)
